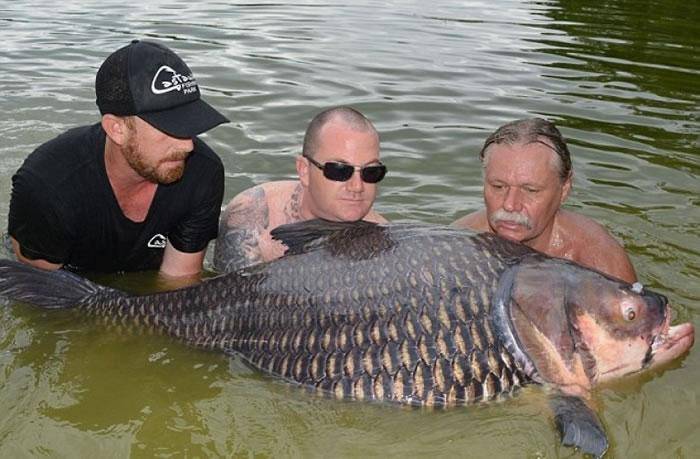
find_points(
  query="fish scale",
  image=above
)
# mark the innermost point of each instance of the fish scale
(386, 318)
(414, 362)
(424, 316)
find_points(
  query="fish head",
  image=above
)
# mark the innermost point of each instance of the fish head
(624, 328)
(581, 327)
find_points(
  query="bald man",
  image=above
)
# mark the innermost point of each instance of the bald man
(339, 171)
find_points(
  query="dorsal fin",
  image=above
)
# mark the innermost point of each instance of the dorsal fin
(301, 236)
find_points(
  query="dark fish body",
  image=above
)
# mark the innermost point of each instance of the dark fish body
(391, 314)
(407, 313)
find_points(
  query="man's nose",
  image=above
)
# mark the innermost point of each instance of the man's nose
(184, 144)
(513, 200)
(355, 184)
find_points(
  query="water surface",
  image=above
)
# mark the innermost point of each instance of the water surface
(620, 77)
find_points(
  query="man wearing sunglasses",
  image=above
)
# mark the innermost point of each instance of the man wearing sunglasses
(527, 177)
(339, 170)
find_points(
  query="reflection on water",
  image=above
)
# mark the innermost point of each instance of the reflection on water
(637, 73)
(619, 77)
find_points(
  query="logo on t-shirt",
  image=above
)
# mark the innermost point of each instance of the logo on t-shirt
(157, 242)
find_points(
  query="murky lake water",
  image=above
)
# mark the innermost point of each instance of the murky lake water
(620, 77)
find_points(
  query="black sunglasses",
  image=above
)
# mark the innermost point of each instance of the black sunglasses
(341, 172)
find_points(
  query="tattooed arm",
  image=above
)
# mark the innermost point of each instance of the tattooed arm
(243, 222)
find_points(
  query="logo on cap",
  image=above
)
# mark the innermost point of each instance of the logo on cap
(167, 79)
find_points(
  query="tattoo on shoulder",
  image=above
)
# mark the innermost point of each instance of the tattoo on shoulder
(292, 210)
(240, 229)
(248, 210)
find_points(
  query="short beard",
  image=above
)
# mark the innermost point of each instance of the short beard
(133, 156)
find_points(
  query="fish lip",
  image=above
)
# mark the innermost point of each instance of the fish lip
(671, 343)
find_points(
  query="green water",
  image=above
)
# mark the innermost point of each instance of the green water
(621, 79)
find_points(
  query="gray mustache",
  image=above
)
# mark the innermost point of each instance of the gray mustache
(503, 215)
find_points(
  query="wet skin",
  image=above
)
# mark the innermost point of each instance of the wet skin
(523, 191)
(339, 201)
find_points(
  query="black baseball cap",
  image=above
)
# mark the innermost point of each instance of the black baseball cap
(150, 81)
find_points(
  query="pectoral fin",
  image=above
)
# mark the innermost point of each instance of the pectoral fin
(578, 425)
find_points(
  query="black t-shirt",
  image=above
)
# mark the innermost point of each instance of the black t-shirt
(63, 209)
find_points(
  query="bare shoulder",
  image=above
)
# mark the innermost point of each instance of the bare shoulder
(586, 229)
(375, 217)
(280, 190)
(476, 221)
(594, 246)
(248, 208)
(243, 238)
(252, 207)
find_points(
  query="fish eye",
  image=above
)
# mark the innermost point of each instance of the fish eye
(629, 313)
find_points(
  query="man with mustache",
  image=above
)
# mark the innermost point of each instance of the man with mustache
(527, 177)
(136, 191)
(338, 169)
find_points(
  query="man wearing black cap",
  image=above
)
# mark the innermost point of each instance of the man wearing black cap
(136, 191)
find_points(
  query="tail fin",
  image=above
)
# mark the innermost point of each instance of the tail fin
(48, 289)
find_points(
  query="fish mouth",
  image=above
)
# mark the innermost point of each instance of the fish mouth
(670, 344)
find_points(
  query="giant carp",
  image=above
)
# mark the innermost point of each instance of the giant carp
(415, 314)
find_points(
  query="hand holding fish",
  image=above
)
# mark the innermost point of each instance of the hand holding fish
(412, 314)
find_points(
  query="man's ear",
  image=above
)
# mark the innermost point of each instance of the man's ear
(116, 129)
(566, 187)
(303, 170)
